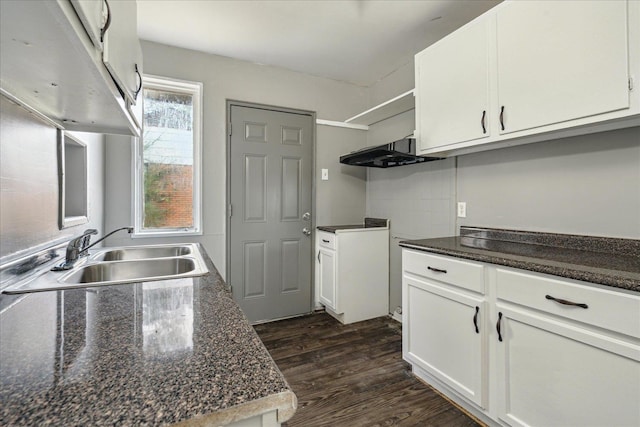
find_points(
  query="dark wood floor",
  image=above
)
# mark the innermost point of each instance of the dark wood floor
(353, 375)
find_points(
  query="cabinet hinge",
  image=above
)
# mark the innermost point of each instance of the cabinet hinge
(230, 210)
(630, 83)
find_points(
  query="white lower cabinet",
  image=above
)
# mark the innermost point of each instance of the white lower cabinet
(555, 374)
(442, 335)
(549, 351)
(352, 273)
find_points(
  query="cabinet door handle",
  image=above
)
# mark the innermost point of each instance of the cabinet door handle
(565, 302)
(475, 319)
(437, 270)
(139, 88)
(106, 24)
(498, 327)
(484, 114)
(325, 240)
(502, 117)
(319, 257)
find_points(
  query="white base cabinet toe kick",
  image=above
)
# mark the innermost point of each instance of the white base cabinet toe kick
(520, 348)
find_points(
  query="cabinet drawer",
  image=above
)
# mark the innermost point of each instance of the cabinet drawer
(464, 274)
(326, 240)
(616, 311)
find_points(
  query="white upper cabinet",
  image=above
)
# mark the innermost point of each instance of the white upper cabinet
(540, 69)
(559, 61)
(49, 61)
(121, 55)
(93, 15)
(452, 77)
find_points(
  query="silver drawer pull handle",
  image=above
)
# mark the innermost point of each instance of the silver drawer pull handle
(565, 302)
(437, 270)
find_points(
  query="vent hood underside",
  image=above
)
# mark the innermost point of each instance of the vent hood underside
(397, 153)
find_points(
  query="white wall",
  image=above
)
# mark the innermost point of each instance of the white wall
(29, 180)
(583, 185)
(229, 79)
(418, 199)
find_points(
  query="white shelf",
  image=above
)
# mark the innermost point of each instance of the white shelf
(398, 105)
(341, 124)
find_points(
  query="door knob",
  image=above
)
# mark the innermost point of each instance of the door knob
(306, 231)
(306, 216)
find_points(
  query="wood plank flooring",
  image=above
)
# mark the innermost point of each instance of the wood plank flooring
(353, 375)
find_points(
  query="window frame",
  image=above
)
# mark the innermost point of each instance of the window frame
(183, 86)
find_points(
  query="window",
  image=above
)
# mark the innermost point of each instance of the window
(168, 159)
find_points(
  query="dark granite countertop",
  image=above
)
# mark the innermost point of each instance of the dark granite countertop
(368, 223)
(154, 353)
(607, 261)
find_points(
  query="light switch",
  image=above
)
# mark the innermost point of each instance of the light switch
(325, 174)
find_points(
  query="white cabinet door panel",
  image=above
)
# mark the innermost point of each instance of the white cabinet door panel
(560, 60)
(452, 83)
(440, 335)
(551, 373)
(92, 15)
(120, 54)
(327, 270)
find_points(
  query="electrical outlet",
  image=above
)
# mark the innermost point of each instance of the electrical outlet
(462, 209)
(325, 174)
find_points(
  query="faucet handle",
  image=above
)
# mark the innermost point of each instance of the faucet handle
(89, 231)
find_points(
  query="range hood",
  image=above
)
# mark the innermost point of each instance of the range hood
(398, 153)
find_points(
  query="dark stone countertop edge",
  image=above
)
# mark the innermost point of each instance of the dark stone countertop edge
(367, 224)
(571, 271)
(284, 402)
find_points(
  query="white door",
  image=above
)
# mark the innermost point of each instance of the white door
(560, 60)
(270, 258)
(443, 335)
(452, 88)
(552, 373)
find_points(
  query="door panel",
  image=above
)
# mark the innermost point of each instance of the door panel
(255, 188)
(290, 265)
(254, 269)
(270, 189)
(291, 186)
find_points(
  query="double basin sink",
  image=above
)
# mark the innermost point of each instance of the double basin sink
(119, 265)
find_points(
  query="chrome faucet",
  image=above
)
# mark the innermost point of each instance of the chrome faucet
(80, 246)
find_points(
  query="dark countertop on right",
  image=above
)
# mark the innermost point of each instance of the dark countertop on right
(608, 261)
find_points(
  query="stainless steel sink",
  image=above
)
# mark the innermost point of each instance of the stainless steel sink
(142, 252)
(127, 271)
(112, 266)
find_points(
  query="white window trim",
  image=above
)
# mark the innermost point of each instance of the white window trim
(195, 88)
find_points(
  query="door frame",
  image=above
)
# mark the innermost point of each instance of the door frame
(312, 114)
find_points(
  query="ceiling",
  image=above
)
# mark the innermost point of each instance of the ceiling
(356, 41)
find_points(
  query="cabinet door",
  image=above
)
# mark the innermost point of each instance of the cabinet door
(452, 88)
(121, 48)
(553, 373)
(93, 18)
(327, 270)
(560, 60)
(440, 335)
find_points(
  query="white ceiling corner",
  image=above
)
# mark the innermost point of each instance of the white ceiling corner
(355, 41)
